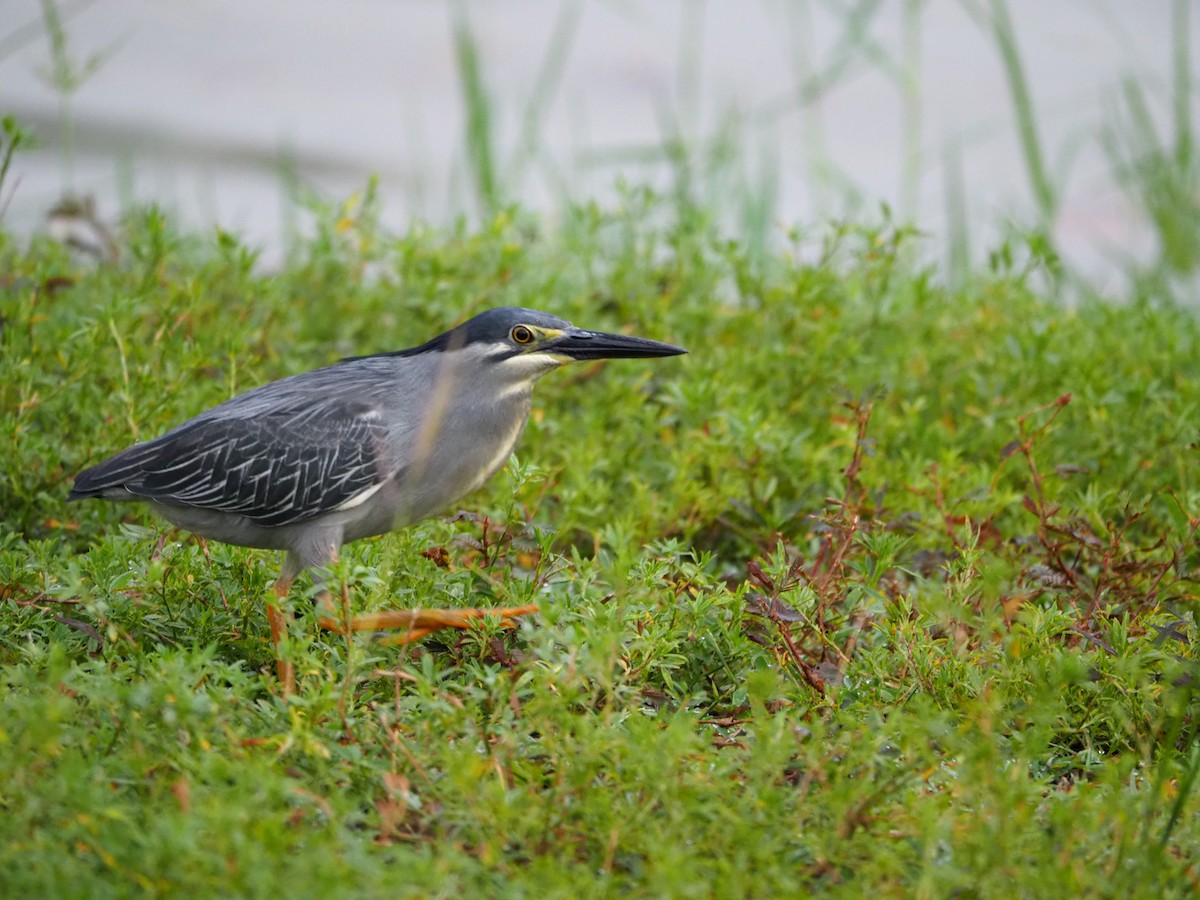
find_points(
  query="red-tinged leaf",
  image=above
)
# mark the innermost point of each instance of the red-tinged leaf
(56, 283)
(81, 626)
(725, 721)
(719, 742)
(439, 556)
(1067, 469)
(1046, 575)
(755, 573)
(183, 795)
(775, 609)
(1085, 536)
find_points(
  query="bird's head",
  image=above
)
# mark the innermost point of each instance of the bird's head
(522, 344)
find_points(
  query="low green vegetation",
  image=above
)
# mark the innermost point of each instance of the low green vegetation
(886, 587)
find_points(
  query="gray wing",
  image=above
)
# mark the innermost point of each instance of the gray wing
(275, 468)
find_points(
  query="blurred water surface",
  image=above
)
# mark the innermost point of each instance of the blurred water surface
(203, 107)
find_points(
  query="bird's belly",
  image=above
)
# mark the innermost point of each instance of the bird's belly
(228, 528)
(454, 469)
(376, 515)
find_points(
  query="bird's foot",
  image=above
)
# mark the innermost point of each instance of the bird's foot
(284, 669)
(414, 624)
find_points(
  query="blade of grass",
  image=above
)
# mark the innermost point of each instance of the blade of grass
(1181, 71)
(910, 98)
(481, 153)
(546, 84)
(958, 234)
(997, 22)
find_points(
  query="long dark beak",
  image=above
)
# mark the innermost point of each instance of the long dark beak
(580, 344)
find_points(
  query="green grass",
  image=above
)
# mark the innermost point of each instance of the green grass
(885, 587)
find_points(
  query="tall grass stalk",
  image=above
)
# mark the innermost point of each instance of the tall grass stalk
(958, 233)
(800, 29)
(66, 75)
(545, 87)
(1181, 72)
(853, 50)
(13, 138)
(478, 105)
(910, 98)
(997, 22)
(1160, 174)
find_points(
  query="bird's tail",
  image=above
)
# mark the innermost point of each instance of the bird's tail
(111, 479)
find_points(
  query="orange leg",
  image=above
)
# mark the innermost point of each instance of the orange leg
(283, 668)
(417, 623)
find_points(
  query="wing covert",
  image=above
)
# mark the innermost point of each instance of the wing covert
(275, 468)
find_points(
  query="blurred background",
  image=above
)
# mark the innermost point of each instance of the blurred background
(1069, 119)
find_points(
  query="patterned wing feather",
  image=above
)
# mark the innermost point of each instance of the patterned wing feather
(275, 468)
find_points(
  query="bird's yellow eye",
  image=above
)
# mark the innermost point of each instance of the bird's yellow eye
(522, 335)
